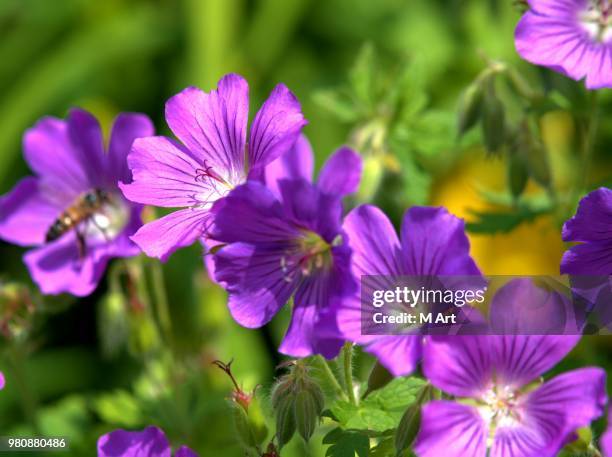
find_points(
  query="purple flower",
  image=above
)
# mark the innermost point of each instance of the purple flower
(592, 225)
(72, 209)
(433, 242)
(214, 157)
(503, 407)
(287, 242)
(150, 442)
(573, 37)
(2, 381)
(606, 439)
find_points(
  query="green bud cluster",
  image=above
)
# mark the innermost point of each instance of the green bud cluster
(298, 403)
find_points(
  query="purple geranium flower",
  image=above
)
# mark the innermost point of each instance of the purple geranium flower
(72, 208)
(606, 439)
(433, 243)
(502, 406)
(214, 157)
(591, 225)
(573, 37)
(150, 442)
(286, 241)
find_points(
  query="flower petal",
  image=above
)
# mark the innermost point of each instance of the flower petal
(341, 173)
(126, 128)
(86, 137)
(400, 354)
(178, 229)
(150, 442)
(606, 438)
(593, 219)
(53, 158)
(25, 215)
(297, 163)
(58, 268)
(555, 41)
(519, 360)
(460, 365)
(312, 330)
(164, 174)
(450, 429)
(374, 242)
(251, 214)
(276, 127)
(213, 125)
(434, 243)
(574, 398)
(184, 451)
(591, 258)
(257, 286)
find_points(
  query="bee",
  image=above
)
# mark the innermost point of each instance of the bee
(82, 209)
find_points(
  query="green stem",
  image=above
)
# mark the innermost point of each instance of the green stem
(589, 141)
(161, 300)
(28, 400)
(347, 359)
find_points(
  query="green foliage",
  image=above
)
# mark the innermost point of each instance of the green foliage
(346, 443)
(382, 409)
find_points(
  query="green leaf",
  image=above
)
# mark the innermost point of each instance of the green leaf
(502, 221)
(361, 76)
(119, 408)
(346, 443)
(337, 104)
(382, 409)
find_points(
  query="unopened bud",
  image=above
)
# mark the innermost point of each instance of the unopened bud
(493, 120)
(379, 378)
(517, 174)
(285, 421)
(470, 107)
(411, 421)
(370, 179)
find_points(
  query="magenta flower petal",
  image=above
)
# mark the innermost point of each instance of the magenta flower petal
(460, 365)
(606, 439)
(297, 163)
(571, 37)
(2, 381)
(311, 330)
(257, 217)
(213, 126)
(163, 236)
(434, 243)
(164, 174)
(579, 396)
(184, 451)
(375, 245)
(126, 128)
(50, 154)
(150, 442)
(593, 219)
(276, 127)
(341, 173)
(25, 214)
(86, 137)
(398, 354)
(452, 430)
(256, 285)
(57, 268)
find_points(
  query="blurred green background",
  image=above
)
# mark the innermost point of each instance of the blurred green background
(79, 368)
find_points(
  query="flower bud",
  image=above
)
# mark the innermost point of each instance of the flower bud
(517, 174)
(470, 107)
(411, 421)
(285, 421)
(379, 378)
(493, 120)
(112, 323)
(370, 179)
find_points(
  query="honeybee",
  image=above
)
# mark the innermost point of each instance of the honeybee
(82, 209)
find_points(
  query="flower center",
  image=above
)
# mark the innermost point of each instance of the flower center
(109, 220)
(597, 20)
(212, 185)
(499, 408)
(310, 253)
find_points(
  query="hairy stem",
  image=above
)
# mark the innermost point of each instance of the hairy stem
(347, 360)
(27, 397)
(161, 300)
